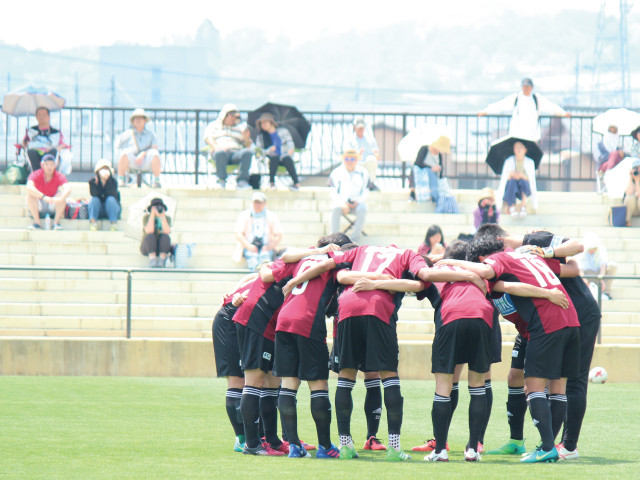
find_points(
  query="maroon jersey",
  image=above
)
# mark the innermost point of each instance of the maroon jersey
(304, 311)
(541, 315)
(464, 300)
(398, 262)
(243, 288)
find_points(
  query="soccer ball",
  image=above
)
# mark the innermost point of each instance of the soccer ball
(598, 375)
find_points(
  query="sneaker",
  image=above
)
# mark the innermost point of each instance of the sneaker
(57, 226)
(262, 450)
(412, 196)
(307, 446)
(374, 188)
(243, 185)
(114, 227)
(398, 455)
(239, 444)
(153, 262)
(540, 456)
(428, 446)
(373, 444)
(272, 186)
(512, 447)
(35, 226)
(513, 212)
(156, 184)
(93, 227)
(348, 452)
(283, 447)
(294, 188)
(331, 452)
(298, 452)
(564, 454)
(470, 455)
(523, 212)
(443, 456)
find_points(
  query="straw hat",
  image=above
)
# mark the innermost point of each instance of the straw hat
(351, 152)
(442, 144)
(102, 163)
(265, 116)
(139, 112)
(486, 192)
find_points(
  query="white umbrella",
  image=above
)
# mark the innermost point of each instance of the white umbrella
(138, 210)
(625, 120)
(24, 101)
(419, 136)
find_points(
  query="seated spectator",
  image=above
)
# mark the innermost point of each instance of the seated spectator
(156, 242)
(47, 192)
(279, 148)
(632, 193)
(138, 149)
(433, 245)
(42, 139)
(518, 181)
(105, 197)
(486, 211)
(258, 232)
(368, 149)
(430, 159)
(348, 184)
(594, 261)
(229, 139)
(610, 145)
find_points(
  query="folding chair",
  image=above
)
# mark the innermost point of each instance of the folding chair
(351, 219)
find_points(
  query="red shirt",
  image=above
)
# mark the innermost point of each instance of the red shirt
(243, 288)
(367, 258)
(51, 187)
(464, 300)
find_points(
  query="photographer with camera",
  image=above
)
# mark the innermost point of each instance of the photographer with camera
(156, 242)
(632, 193)
(486, 212)
(258, 232)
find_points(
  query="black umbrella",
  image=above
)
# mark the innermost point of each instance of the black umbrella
(502, 149)
(288, 117)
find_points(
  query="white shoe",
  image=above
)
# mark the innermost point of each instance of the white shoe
(565, 454)
(443, 456)
(512, 211)
(523, 212)
(470, 455)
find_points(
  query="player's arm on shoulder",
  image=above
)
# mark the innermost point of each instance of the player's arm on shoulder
(569, 248)
(266, 275)
(480, 269)
(391, 285)
(570, 269)
(350, 277)
(520, 289)
(312, 273)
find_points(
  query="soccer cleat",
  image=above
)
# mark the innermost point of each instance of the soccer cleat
(331, 452)
(307, 446)
(374, 444)
(348, 452)
(283, 447)
(298, 452)
(564, 454)
(428, 446)
(470, 455)
(443, 456)
(239, 444)
(513, 447)
(540, 456)
(264, 450)
(398, 455)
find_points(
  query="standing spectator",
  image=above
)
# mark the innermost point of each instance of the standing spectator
(138, 149)
(258, 232)
(349, 193)
(518, 181)
(42, 139)
(525, 108)
(47, 192)
(486, 211)
(430, 159)
(368, 149)
(279, 148)
(632, 193)
(156, 242)
(595, 261)
(229, 139)
(433, 242)
(105, 197)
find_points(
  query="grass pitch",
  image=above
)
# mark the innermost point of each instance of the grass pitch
(177, 428)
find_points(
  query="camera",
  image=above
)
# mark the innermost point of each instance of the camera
(636, 172)
(258, 242)
(160, 208)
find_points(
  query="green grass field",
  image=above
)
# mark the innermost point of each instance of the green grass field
(157, 428)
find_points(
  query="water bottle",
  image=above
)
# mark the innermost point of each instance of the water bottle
(47, 222)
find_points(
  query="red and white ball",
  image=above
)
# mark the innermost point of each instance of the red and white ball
(598, 375)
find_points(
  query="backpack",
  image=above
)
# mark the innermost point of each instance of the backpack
(535, 100)
(76, 210)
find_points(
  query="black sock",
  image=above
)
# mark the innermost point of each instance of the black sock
(541, 415)
(284, 433)
(344, 405)
(576, 407)
(558, 407)
(250, 408)
(516, 409)
(373, 406)
(393, 403)
(289, 414)
(477, 414)
(321, 413)
(269, 414)
(455, 393)
(234, 396)
(441, 417)
(489, 393)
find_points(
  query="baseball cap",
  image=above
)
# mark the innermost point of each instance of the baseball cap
(48, 158)
(527, 81)
(259, 197)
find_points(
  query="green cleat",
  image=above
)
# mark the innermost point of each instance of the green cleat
(348, 452)
(238, 446)
(513, 447)
(394, 455)
(540, 456)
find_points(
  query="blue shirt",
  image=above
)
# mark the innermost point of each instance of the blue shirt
(276, 141)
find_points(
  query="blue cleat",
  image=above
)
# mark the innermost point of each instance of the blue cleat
(331, 452)
(298, 452)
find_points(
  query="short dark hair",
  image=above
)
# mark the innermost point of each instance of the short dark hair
(42, 107)
(457, 249)
(428, 261)
(491, 230)
(348, 246)
(483, 246)
(337, 238)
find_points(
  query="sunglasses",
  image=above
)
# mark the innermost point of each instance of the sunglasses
(350, 159)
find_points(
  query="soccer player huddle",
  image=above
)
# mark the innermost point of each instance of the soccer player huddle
(270, 334)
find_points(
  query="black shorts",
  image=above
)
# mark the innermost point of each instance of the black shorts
(300, 357)
(466, 340)
(256, 352)
(367, 344)
(554, 355)
(519, 352)
(497, 337)
(225, 345)
(334, 364)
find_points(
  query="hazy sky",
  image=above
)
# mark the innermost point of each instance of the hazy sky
(59, 24)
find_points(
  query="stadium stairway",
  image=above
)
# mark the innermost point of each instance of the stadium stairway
(168, 306)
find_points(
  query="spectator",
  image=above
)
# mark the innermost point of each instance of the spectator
(430, 159)
(47, 192)
(138, 149)
(486, 212)
(258, 232)
(105, 197)
(433, 244)
(518, 181)
(608, 146)
(229, 139)
(632, 193)
(42, 139)
(279, 148)
(525, 108)
(348, 184)
(368, 149)
(156, 242)
(594, 261)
